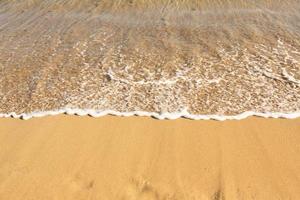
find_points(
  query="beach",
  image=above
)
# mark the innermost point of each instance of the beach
(149, 100)
(72, 157)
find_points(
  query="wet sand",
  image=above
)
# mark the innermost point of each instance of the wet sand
(69, 157)
(184, 56)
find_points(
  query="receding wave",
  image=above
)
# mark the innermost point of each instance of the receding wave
(167, 59)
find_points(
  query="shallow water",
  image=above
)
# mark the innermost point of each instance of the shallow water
(194, 58)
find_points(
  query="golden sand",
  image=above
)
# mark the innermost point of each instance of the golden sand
(138, 158)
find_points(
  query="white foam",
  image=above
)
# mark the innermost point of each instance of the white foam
(161, 116)
(289, 77)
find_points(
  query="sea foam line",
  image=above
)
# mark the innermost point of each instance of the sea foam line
(161, 116)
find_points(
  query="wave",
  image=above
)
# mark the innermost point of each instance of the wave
(161, 116)
(193, 59)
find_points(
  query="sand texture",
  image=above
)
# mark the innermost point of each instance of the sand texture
(137, 158)
(198, 57)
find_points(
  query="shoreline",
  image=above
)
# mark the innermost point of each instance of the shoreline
(159, 116)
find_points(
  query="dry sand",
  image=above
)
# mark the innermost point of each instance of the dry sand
(69, 157)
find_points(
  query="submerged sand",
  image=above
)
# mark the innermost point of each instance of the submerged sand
(197, 57)
(137, 158)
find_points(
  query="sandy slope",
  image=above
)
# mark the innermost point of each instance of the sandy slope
(67, 157)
